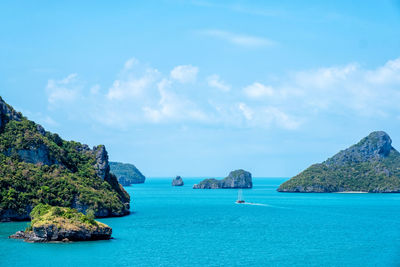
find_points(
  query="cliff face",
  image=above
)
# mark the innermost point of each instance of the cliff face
(371, 165)
(7, 113)
(235, 179)
(37, 166)
(126, 173)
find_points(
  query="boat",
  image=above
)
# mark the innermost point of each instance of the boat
(240, 199)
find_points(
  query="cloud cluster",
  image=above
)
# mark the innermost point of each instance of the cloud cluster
(143, 95)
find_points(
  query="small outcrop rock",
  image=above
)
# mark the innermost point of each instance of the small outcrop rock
(235, 179)
(52, 224)
(177, 181)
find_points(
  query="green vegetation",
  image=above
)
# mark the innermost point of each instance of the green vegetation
(371, 165)
(39, 167)
(126, 173)
(61, 217)
(211, 182)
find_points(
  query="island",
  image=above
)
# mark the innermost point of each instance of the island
(127, 174)
(235, 179)
(177, 181)
(52, 224)
(372, 165)
(37, 166)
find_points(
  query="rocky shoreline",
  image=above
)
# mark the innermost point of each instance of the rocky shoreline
(60, 224)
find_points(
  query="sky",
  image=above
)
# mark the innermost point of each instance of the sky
(200, 88)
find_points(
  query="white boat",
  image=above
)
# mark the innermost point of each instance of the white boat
(240, 199)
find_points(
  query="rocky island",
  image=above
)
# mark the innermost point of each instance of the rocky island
(235, 179)
(51, 224)
(37, 166)
(126, 173)
(372, 165)
(177, 181)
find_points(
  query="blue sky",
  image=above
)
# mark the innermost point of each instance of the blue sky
(199, 88)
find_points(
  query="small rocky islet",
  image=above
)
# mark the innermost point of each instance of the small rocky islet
(177, 181)
(126, 173)
(55, 224)
(372, 165)
(236, 179)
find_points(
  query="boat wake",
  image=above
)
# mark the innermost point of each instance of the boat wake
(261, 204)
(254, 204)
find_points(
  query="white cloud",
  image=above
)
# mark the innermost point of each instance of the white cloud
(131, 86)
(64, 90)
(325, 77)
(258, 90)
(238, 39)
(129, 63)
(247, 112)
(389, 73)
(172, 106)
(184, 73)
(216, 82)
(143, 95)
(268, 116)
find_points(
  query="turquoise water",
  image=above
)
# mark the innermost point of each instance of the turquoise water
(179, 226)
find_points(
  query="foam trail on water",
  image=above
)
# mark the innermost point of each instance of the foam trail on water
(260, 204)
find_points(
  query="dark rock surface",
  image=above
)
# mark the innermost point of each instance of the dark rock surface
(235, 179)
(52, 233)
(177, 181)
(102, 166)
(375, 146)
(7, 113)
(372, 165)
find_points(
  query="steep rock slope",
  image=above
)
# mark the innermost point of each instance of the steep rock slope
(37, 166)
(371, 165)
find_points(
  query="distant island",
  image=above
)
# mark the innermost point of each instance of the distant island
(372, 165)
(39, 167)
(177, 181)
(235, 179)
(51, 224)
(126, 173)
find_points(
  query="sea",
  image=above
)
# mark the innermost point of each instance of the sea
(181, 226)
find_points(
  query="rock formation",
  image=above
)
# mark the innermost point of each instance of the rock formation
(38, 166)
(51, 224)
(126, 173)
(372, 165)
(177, 181)
(235, 179)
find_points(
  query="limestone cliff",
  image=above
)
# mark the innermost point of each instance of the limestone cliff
(235, 179)
(37, 166)
(372, 165)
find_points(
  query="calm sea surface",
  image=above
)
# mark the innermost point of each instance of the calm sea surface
(179, 226)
